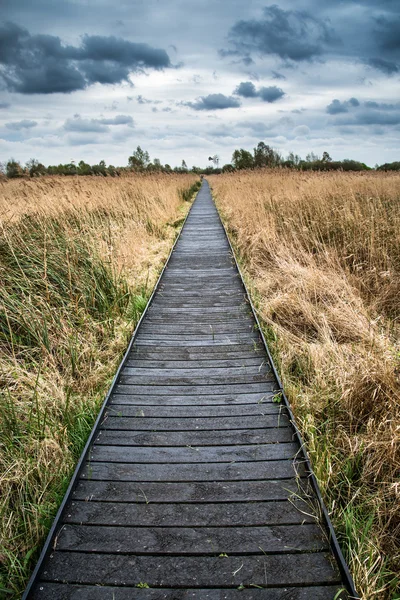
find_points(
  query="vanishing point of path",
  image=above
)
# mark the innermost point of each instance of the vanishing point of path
(195, 486)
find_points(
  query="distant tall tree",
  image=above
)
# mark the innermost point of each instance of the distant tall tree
(139, 160)
(84, 168)
(326, 157)
(157, 164)
(35, 168)
(14, 169)
(184, 166)
(242, 159)
(293, 159)
(265, 156)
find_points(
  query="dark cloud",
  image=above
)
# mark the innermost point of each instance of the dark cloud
(246, 89)
(367, 113)
(77, 124)
(270, 94)
(4, 105)
(387, 34)
(41, 64)
(289, 34)
(336, 106)
(386, 66)
(18, 125)
(276, 75)
(214, 102)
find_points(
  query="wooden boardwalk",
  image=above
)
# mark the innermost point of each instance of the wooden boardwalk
(194, 483)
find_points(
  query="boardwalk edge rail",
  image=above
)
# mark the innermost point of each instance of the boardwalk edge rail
(48, 545)
(334, 544)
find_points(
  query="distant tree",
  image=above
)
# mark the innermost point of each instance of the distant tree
(167, 167)
(228, 168)
(84, 168)
(139, 160)
(393, 166)
(265, 156)
(326, 158)
(242, 159)
(35, 168)
(157, 164)
(14, 169)
(196, 169)
(100, 169)
(293, 160)
(312, 157)
(184, 166)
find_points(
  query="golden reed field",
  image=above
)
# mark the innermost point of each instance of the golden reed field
(78, 260)
(321, 255)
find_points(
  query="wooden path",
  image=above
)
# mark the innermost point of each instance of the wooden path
(194, 483)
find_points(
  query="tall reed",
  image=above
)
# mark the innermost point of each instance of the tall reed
(321, 252)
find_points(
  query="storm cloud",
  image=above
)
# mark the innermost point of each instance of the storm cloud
(289, 34)
(271, 93)
(247, 89)
(214, 102)
(369, 112)
(42, 64)
(336, 106)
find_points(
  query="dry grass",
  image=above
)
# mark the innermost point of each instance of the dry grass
(78, 260)
(322, 255)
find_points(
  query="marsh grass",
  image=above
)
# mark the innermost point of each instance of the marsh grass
(78, 261)
(321, 252)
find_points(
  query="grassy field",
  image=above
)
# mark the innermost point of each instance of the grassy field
(78, 260)
(321, 254)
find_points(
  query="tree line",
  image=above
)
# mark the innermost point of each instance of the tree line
(262, 156)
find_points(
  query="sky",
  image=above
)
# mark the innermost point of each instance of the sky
(93, 79)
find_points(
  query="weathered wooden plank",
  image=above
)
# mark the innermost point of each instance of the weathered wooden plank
(200, 390)
(195, 438)
(193, 424)
(192, 454)
(217, 343)
(212, 329)
(124, 410)
(192, 491)
(189, 371)
(57, 591)
(208, 353)
(190, 400)
(190, 515)
(271, 469)
(160, 380)
(192, 541)
(139, 362)
(205, 338)
(115, 569)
